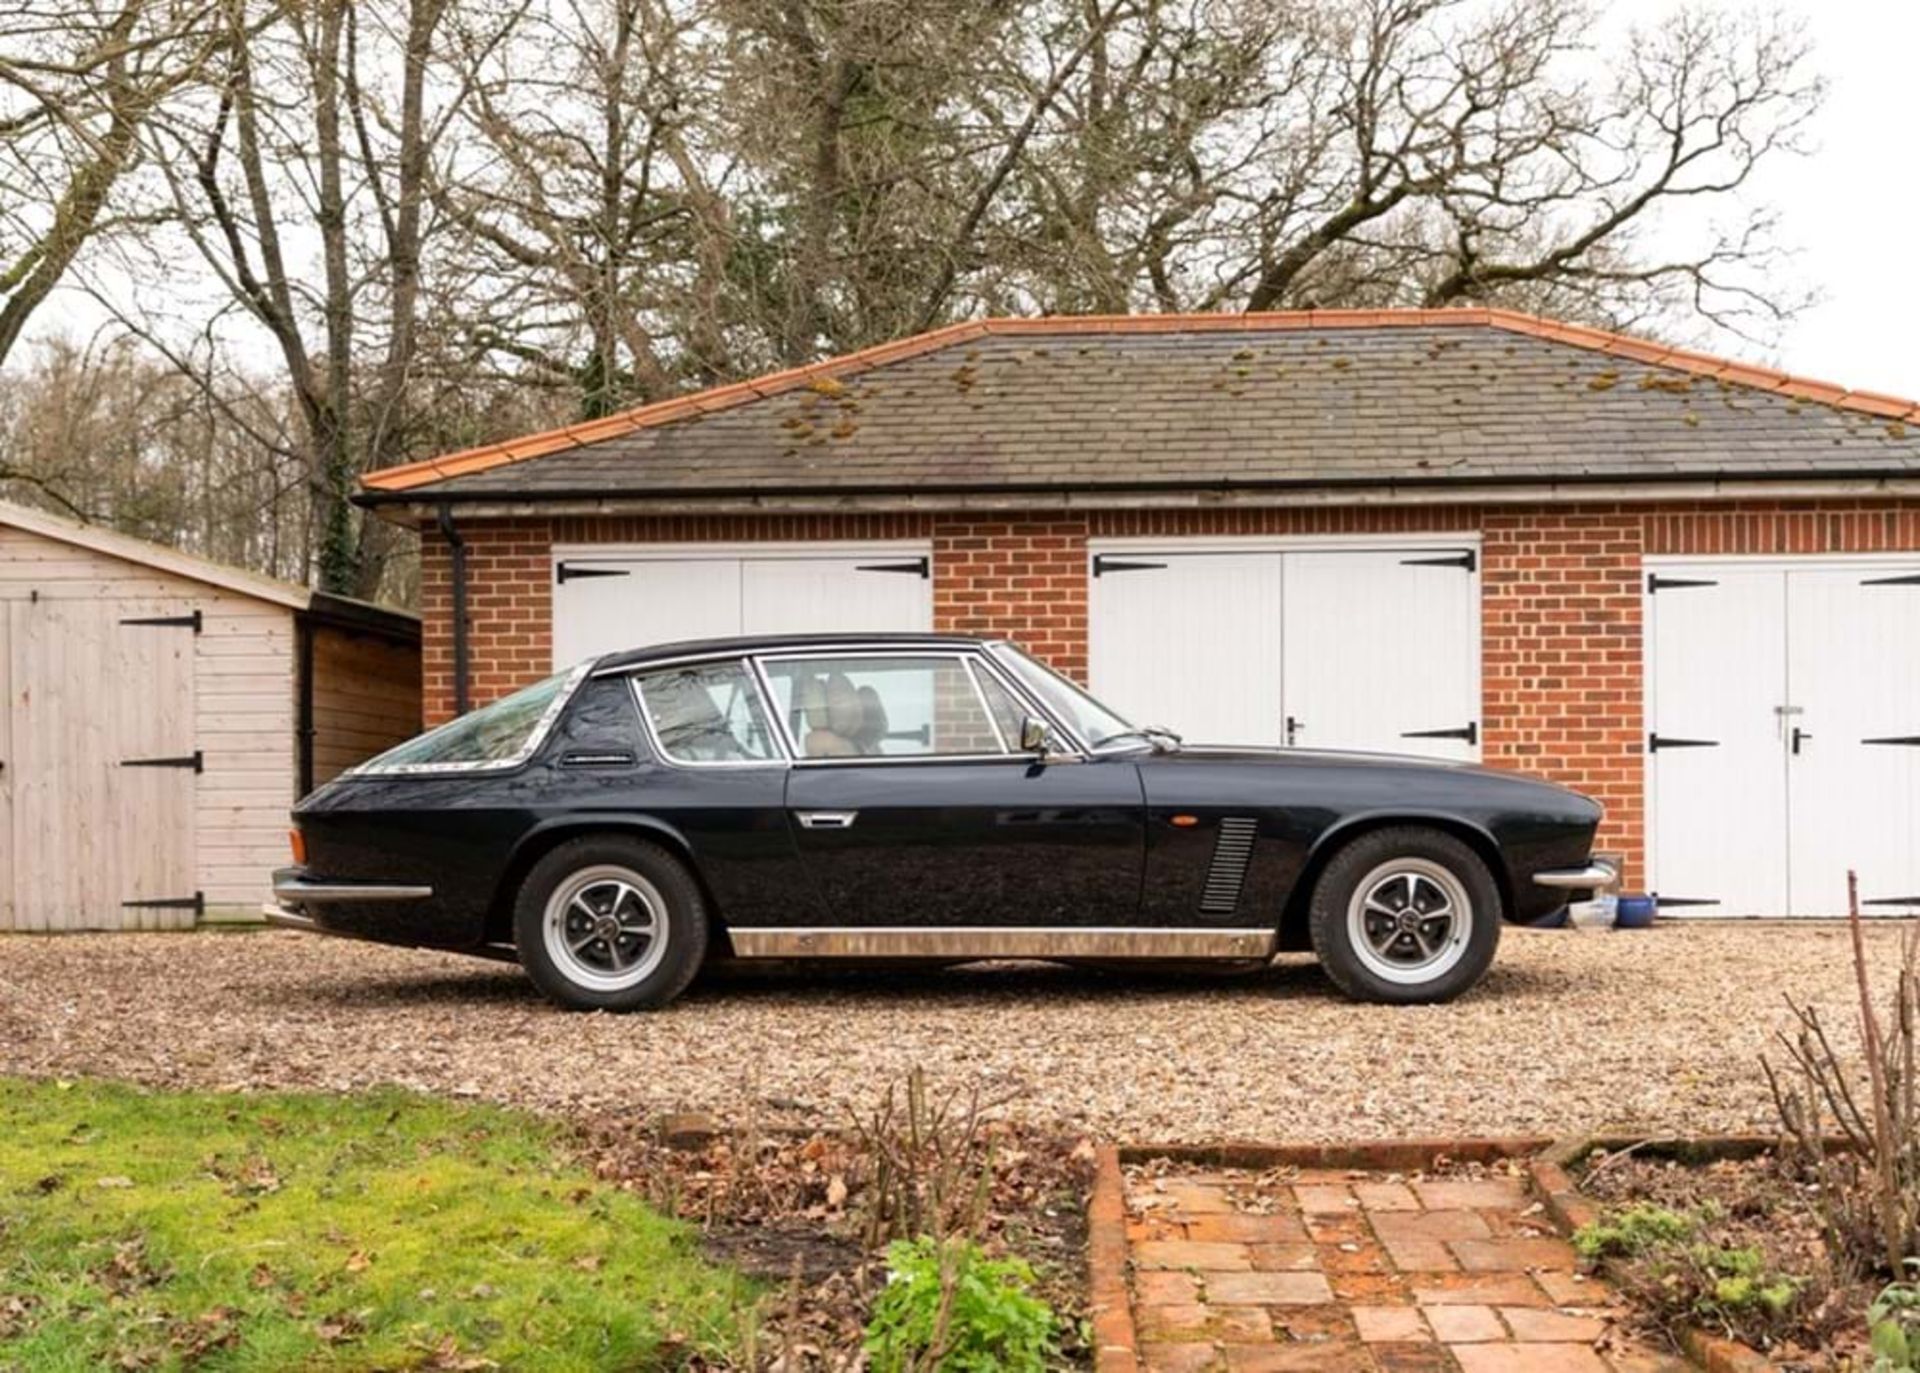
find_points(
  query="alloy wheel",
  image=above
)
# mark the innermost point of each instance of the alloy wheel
(1410, 920)
(605, 928)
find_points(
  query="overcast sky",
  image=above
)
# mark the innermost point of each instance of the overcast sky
(1852, 208)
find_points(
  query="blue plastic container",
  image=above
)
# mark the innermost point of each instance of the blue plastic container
(1635, 912)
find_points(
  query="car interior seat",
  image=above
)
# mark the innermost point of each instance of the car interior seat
(833, 715)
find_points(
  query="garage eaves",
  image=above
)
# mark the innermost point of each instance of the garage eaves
(1173, 409)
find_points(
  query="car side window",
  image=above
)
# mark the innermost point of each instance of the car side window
(707, 713)
(891, 707)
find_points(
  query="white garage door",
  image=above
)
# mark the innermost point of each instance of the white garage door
(1371, 648)
(607, 599)
(1783, 710)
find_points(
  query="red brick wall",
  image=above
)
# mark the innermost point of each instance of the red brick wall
(1560, 650)
(1560, 609)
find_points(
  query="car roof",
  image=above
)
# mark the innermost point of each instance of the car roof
(780, 643)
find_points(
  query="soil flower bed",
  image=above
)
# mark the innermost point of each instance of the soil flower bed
(1729, 1246)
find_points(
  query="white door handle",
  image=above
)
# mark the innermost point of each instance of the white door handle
(826, 819)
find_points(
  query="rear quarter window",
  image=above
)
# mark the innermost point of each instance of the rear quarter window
(502, 734)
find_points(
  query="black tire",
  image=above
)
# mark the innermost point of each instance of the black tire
(1388, 950)
(578, 882)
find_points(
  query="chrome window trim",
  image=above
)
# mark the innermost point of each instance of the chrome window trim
(973, 671)
(775, 735)
(535, 739)
(966, 657)
(934, 643)
(1022, 695)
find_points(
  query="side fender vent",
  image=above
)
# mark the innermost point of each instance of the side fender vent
(1231, 851)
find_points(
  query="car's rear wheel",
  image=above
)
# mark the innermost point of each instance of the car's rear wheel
(606, 923)
(1406, 914)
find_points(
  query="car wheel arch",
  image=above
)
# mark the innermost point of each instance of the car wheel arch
(1293, 922)
(543, 839)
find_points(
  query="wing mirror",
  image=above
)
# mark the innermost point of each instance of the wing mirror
(1035, 737)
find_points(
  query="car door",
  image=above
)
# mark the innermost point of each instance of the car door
(912, 807)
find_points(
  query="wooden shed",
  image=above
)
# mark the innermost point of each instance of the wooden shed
(158, 715)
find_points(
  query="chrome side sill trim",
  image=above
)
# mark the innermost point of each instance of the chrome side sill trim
(1594, 875)
(1007, 942)
(300, 889)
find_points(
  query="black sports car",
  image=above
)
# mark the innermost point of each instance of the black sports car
(909, 796)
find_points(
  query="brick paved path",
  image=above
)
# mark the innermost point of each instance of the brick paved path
(1337, 1271)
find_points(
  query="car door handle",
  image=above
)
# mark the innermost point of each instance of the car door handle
(826, 819)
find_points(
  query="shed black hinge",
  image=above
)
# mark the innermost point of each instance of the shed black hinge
(1664, 901)
(1655, 582)
(192, 621)
(1913, 580)
(1469, 731)
(1466, 562)
(1104, 563)
(196, 760)
(918, 567)
(568, 572)
(197, 903)
(1892, 901)
(1897, 740)
(1656, 742)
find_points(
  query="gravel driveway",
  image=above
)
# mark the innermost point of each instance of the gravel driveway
(1571, 1029)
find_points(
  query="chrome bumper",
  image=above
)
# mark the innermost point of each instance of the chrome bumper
(1594, 876)
(300, 891)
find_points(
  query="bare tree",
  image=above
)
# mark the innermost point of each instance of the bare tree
(111, 434)
(1399, 152)
(300, 180)
(76, 85)
(591, 203)
(446, 220)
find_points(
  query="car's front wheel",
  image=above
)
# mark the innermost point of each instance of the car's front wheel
(1407, 914)
(607, 923)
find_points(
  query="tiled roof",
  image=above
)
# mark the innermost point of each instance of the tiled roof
(1216, 401)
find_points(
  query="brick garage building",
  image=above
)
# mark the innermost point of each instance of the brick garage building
(1688, 587)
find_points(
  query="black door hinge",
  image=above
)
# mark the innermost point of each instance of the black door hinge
(918, 567)
(1912, 580)
(1898, 740)
(1470, 732)
(1104, 563)
(192, 621)
(1655, 582)
(197, 903)
(568, 572)
(1892, 901)
(1466, 562)
(196, 760)
(1664, 901)
(1656, 742)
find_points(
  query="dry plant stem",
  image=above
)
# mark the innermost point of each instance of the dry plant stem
(1869, 1190)
(1893, 1231)
(932, 1164)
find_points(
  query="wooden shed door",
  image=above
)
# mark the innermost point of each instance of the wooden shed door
(101, 766)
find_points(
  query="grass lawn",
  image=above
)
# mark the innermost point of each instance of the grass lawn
(386, 1230)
